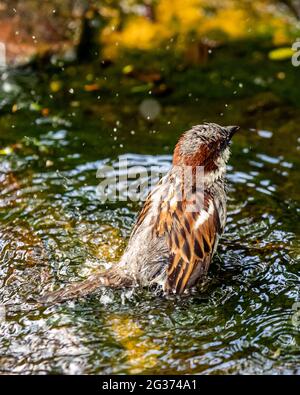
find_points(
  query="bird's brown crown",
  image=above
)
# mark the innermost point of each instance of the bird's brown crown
(204, 145)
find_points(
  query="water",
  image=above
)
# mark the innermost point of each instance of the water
(54, 230)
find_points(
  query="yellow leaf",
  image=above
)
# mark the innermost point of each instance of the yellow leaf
(6, 151)
(281, 53)
(128, 69)
(55, 86)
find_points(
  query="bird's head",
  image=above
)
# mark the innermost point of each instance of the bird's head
(204, 145)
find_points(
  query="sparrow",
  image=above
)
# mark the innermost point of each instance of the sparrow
(176, 233)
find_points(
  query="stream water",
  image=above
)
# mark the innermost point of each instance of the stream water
(54, 230)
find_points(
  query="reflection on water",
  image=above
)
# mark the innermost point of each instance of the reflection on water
(131, 177)
(54, 230)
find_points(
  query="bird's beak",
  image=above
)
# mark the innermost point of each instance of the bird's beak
(231, 130)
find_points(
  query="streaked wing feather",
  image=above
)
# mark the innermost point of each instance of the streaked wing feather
(151, 200)
(192, 237)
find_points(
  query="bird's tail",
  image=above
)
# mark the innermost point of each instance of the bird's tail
(110, 278)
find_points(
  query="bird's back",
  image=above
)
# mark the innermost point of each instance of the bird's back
(172, 243)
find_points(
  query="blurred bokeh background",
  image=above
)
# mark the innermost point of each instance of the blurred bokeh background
(83, 83)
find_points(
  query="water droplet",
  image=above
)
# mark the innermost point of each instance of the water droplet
(150, 109)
